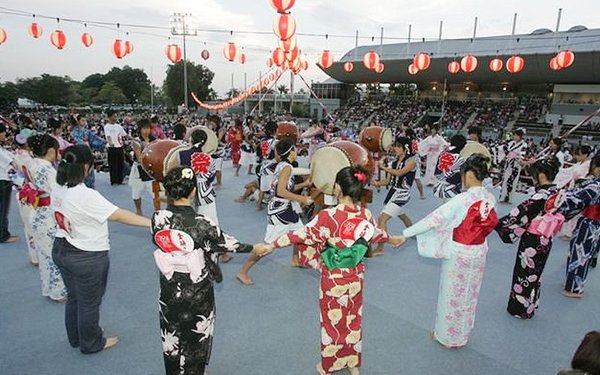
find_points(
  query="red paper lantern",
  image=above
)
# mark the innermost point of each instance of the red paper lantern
(371, 60)
(453, 67)
(565, 58)
(119, 49)
(468, 63)
(348, 67)
(128, 47)
(554, 64)
(87, 39)
(292, 55)
(284, 26)
(496, 65)
(282, 6)
(515, 64)
(278, 56)
(205, 54)
(412, 69)
(173, 52)
(58, 39)
(421, 61)
(380, 68)
(3, 36)
(242, 58)
(326, 59)
(229, 51)
(35, 30)
(305, 65)
(270, 62)
(288, 45)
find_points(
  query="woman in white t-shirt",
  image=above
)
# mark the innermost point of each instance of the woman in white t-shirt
(81, 247)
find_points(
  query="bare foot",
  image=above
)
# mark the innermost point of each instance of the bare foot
(375, 253)
(565, 238)
(354, 371)
(111, 342)
(295, 262)
(244, 279)
(226, 257)
(259, 208)
(571, 295)
(320, 369)
(59, 300)
(12, 239)
(35, 264)
(422, 197)
(239, 200)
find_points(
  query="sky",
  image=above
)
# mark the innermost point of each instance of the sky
(22, 56)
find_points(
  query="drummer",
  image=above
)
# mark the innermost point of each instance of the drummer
(139, 180)
(315, 135)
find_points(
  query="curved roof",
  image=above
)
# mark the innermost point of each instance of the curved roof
(536, 48)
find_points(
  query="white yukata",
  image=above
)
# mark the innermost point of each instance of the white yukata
(432, 147)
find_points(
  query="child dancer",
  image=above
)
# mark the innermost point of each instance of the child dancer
(342, 232)
(536, 240)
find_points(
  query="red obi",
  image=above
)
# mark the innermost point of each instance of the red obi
(480, 221)
(34, 197)
(592, 212)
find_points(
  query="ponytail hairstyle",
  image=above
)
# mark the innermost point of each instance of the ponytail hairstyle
(284, 148)
(405, 143)
(74, 166)
(39, 144)
(352, 181)
(458, 141)
(548, 166)
(478, 165)
(584, 150)
(198, 138)
(179, 182)
(270, 128)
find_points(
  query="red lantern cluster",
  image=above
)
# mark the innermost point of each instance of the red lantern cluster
(562, 60)
(173, 52)
(282, 6)
(86, 39)
(58, 39)
(119, 48)
(421, 61)
(496, 65)
(371, 60)
(287, 54)
(284, 26)
(515, 64)
(35, 30)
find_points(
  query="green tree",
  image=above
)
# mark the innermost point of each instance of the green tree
(110, 93)
(199, 81)
(9, 93)
(46, 89)
(282, 89)
(232, 93)
(130, 80)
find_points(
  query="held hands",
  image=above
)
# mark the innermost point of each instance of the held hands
(306, 200)
(262, 249)
(397, 241)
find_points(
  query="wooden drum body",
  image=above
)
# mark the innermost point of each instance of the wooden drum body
(154, 156)
(376, 138)
(287, 130)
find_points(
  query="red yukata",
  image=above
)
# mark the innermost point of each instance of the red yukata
(341, 290)
(235, 137)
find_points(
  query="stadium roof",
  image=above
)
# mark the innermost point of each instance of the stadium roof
(536, 48)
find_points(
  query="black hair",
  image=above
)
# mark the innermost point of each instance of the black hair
(179, 131)
(271, 128)
(110, 112)
(72, 168)
(548, 166)
(519, 132)
(475, 130)
(154, 119)
(2, 128)
(352, 181)
(557, 141)
(283, 148)
(143, 123)
(584, 150)
(80, 116)
(478, 165)
(409, 133)
(405, 143)
(39, 144)
(595, 163)
(179, 183)
(198, 138)
(587, 356)
(458, 141)
(54, 123)
(237, 122)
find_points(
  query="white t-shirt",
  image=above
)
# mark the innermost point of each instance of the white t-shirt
(116, 134)
(82, 217)
(6, 159)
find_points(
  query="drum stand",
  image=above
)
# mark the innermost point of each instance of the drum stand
(156, 191)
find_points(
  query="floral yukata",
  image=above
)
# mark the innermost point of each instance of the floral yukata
(586, 236)
(187, 300)
(341, 290)
(532, 221)
(456, 232)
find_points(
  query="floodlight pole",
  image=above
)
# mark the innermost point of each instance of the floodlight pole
(178, 19)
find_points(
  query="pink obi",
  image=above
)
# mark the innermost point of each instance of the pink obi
(548, 225)
(168, 263)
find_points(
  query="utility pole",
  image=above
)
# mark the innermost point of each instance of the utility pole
(179, 27)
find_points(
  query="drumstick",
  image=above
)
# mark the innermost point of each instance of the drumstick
(316, 97)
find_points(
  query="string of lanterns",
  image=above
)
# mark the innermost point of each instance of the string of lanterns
(287, 53)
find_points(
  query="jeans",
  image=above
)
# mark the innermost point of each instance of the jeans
(85, 274)
(5, 196)
(90, 180)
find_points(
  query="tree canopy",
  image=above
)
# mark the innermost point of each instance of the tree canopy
(199, 81)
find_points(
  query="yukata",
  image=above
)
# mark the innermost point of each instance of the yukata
(341, 289)
(431, 147)
(535, 224)
(512, 169)
(23, 162)
(266, 163)
(234, 137)
(399, 194)
(456, 232)
(447, 173)
(570, 178)
(43, 225)
(585, 242)
(187, 298)
(283, 215)
(204, 168)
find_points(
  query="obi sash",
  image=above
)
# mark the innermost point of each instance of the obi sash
(476, 226)
(548, 225)
(592, 212)
(34, 197)
(348, 257)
